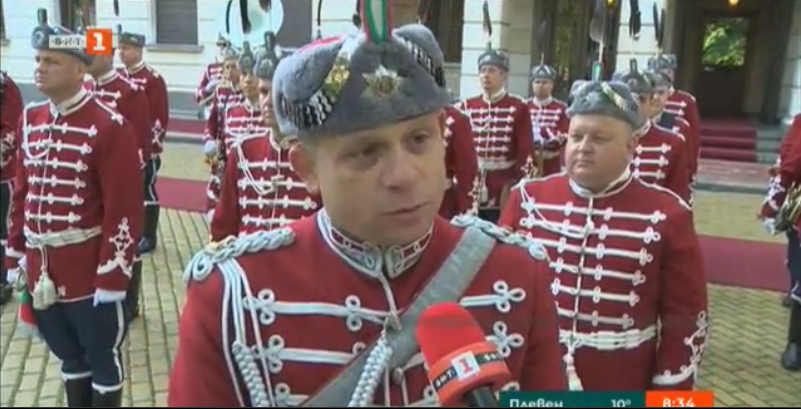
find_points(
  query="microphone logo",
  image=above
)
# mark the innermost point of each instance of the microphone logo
(466, 365)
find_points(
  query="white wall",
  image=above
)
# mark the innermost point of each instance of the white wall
(511, 34)
(643, 48)
(182, 69)
(791, 90)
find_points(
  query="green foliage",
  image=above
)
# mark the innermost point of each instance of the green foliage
(725, 42)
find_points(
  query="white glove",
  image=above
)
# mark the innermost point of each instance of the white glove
(210, 148)
(770, 226)
(210, 87)
(108, 296)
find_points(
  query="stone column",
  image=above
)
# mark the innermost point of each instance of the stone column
(791, 88)
(511, 34)
(645, 47)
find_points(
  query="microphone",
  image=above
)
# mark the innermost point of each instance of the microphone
(464, 368)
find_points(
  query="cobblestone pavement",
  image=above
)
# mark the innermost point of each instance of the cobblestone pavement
(748, 328)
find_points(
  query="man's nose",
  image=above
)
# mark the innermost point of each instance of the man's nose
(401, 171)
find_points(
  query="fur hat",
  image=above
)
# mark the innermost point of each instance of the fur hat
(132, 39)
(638, 81)
(663, 62)
(46, 37)
(543, 72)
(361, 81)
(613, 99)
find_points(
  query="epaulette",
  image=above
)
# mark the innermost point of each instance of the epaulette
(534, 248)
(669, 131)
(204, 261)
(667, 191)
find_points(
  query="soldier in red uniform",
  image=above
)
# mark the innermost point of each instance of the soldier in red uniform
(661, 154)
(344, 288)
(9, 119)
(260, 190)
(680, 103)
(212, 76)
(461, 165)
(217, 143)
(667, 120)
(77, 221)
(142, 74)
(548, 120)
(787, 176)
(501, 131)
(130, 100)
(627, 268)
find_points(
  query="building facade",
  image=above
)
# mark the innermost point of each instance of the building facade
(182, 33)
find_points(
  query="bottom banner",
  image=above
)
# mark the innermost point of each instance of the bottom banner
(651, 399)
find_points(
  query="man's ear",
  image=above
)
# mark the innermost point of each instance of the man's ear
(301, 158)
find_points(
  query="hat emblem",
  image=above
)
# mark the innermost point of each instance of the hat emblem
(337, 77)
(382, 82)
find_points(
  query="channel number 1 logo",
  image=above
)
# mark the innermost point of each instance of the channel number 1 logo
(465, 365)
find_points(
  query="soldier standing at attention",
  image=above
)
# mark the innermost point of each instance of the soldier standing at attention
(461, 165)
(626, 264)
(212, 76)
(260, 190)
(357, 272)
(660, 156)
(130, 100)
(216, 142)
(9, 120)
(77, 221)
(548, 120)
(130, 52)
(501, 128)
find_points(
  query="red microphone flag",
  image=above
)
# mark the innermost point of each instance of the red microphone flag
(457, 353)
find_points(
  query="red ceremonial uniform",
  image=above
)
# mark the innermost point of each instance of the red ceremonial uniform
(220, 134)
(260, 191)
(661, 158)
(159, 107)
(74, 210)
(461, 165)
(549, 125)
(789, 171)
(213, 74)
(628, 276)
(131, 101)
(683, 105)
(315, 314)
(9, 119)
(502, 135)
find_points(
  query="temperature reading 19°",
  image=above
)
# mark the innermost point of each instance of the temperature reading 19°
(621, 403)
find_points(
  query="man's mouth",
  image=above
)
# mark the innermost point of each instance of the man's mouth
(405, 210)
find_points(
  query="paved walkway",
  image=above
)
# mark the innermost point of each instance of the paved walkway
(748, 327)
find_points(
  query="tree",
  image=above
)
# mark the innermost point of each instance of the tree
(725, 42)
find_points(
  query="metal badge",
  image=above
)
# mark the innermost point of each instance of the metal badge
(382, 82)
(337, 77)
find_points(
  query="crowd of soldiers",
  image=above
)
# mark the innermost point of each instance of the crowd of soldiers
(567, 230)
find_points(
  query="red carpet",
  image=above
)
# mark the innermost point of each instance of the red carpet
(733, 140)
(728, 261)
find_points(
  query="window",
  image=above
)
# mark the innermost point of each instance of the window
(446, 21)
(176, 22)
(77, 14)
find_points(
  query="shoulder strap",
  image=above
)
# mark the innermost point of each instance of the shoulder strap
(447, 285)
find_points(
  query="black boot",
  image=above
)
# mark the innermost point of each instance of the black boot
(791, 358)
(107, 399)
(131, 303)
(150, 237)
(6, 289)
(79, 393)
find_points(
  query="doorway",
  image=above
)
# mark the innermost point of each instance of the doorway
(569, 47)
(721, 84)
